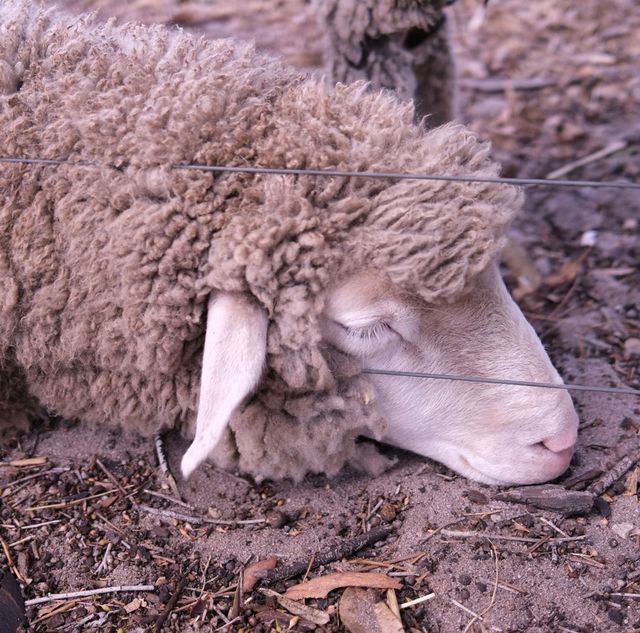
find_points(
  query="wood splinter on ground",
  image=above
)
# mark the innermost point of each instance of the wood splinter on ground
(618, 470)
(550, 497)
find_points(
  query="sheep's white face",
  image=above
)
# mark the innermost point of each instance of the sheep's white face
(496, 434)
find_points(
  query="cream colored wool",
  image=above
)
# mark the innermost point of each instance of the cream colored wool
(106, 268)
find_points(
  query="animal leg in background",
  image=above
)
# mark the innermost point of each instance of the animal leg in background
(235, 348)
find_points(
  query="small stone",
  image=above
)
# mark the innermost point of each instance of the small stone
(602, 507)
(622, 529)
(388, 512)
(631, 347)
(475, 496)
(464, 579)
(630, 224)
(616, 616)
(526, 520)
(276, 519)
(589, 238)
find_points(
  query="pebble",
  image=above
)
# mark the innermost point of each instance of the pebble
(616, 616)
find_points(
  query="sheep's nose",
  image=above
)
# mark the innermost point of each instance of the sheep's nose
(561, 442)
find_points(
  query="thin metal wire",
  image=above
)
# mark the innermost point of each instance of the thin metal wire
(616, 184)
(399, 176)
(413, 176)
(499, 381)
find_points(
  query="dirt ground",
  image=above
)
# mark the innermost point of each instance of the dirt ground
(78, 515)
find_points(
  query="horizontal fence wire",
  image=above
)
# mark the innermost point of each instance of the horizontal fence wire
(398, 176)
(331, 173)
(500, 381)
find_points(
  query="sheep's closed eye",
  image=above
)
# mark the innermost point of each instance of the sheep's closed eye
(365, 314)
(362, 339)
(378, 330)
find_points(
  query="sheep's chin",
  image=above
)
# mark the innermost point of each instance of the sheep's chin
(474, 468)
(465, 468)
(462, 466)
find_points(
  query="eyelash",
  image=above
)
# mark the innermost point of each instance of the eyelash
(374, 331)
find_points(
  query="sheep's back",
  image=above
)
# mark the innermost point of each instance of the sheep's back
(99, 263)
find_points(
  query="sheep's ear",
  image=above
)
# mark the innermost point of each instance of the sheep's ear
(234, 355)
(366, 313)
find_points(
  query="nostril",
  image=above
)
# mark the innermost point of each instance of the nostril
(561, 442)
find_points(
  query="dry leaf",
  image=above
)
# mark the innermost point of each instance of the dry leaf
(519, 262)
(568, 272)
(321, 586)
(361, 611)
(392, 602)
(297, 608)
(250, 580)
(134, 605)
(387, 621)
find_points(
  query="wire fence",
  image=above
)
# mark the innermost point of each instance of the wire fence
(330, 173)
(501, 381)
(395, 176)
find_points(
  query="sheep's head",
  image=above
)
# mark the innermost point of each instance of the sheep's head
(492, 433)
(401, 277)
(496, 434)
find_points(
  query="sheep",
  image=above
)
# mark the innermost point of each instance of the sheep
(399, 45)
(243, 307)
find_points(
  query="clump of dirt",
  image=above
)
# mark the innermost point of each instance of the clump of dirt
(549, 83)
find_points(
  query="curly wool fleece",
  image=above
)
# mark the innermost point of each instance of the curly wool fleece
(105, 268)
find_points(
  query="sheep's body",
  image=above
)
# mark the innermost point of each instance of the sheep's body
(105, 269)
(399, 45)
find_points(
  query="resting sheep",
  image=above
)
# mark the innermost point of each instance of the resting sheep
(242, 307)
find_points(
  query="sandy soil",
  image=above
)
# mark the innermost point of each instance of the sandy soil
(518, 567)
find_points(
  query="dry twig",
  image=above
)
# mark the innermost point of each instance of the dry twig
(420, 600)
(170, 605)
(88, 592)
(618, 470)
(501, 537)
(341, 550)
(611, 148)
